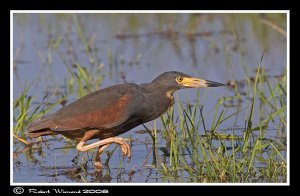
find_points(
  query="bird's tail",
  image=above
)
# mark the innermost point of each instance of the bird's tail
(41, 127)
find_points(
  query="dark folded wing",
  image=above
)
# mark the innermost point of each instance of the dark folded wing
(105, 108)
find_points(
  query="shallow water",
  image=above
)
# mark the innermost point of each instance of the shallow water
(134, 48)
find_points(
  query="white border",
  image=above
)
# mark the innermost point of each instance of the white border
(149, 11)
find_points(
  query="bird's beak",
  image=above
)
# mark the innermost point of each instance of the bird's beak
(199, 83)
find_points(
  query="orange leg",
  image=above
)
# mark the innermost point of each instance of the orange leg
(118, 140)
(103, 144)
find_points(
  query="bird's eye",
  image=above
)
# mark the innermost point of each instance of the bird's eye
(179, 79)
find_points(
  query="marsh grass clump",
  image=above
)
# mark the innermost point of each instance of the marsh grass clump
(25, 111)
(206, 154)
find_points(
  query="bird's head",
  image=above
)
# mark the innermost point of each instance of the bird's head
(174, 80)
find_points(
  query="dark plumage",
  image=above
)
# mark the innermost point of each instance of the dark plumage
(114, 110)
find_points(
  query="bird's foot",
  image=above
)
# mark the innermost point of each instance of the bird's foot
(103, 144)
(126, 150)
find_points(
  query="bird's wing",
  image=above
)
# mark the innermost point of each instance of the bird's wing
(105, 108)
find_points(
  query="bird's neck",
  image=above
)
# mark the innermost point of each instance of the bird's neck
(159, 98)
(159, 90)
